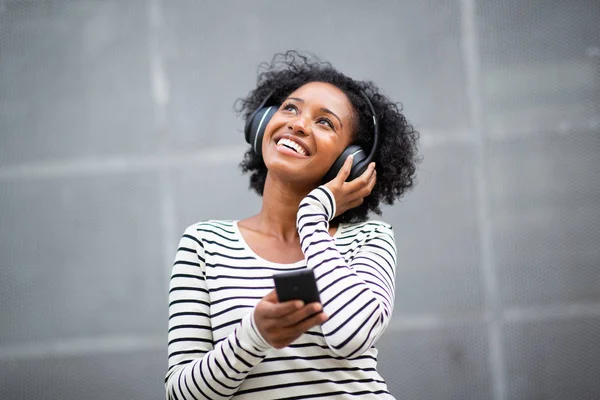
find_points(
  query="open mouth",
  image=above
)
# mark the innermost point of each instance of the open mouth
(290, 144)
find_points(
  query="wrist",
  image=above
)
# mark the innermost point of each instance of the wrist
(320, 200)
(328, 201)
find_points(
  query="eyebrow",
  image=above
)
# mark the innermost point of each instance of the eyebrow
(325, 110)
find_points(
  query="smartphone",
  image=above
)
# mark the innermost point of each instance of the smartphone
(297, 285)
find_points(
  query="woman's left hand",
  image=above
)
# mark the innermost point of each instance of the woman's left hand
(351, 194)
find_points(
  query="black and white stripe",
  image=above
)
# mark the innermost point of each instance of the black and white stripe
(214, 348)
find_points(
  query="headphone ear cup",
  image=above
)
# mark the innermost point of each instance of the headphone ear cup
(256, 125)
(357, 169)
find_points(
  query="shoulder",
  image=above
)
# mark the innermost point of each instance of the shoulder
(210, 229)
(357, 234)
(372, 236)
(366, 228)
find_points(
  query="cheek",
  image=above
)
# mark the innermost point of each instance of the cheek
(328, 152)
(332, 147)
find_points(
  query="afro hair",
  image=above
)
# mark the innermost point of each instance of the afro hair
(396, 158)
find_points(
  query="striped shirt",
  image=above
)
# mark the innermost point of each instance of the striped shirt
(214, 347)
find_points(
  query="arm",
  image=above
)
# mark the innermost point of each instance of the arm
(197, 369)
(358, 297)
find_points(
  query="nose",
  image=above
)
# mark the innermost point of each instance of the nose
(300, 125)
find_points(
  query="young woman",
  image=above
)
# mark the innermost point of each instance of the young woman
(326, 150)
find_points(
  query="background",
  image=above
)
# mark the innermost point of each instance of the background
(117, 131)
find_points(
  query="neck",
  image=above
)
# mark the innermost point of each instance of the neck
(277, 216)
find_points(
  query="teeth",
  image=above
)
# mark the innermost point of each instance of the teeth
(292, 144)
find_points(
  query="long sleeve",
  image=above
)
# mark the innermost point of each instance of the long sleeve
(357, 296)
(199, 369)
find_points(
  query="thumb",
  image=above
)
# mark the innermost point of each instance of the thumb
(271, 297)
(345, 170)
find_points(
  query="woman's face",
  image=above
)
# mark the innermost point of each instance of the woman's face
(308, 133)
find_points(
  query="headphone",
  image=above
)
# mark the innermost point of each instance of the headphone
(258, 120)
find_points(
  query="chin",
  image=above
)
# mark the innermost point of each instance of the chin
(289, 172)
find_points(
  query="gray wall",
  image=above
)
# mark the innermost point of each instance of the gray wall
(117, 130)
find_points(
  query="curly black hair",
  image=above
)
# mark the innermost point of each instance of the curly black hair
(396, 158)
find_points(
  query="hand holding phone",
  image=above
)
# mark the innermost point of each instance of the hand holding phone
(281, 323)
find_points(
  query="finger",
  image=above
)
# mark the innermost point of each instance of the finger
(373, 170)
(271, 308)
(362, 181)
(296, 317)
(372, 181)
(290, 334)
(279, 310)
(345, 170)
(368, 174)
(308, 323)
(368, 188)
(271, 297)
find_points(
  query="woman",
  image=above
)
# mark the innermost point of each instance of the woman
(229, 337)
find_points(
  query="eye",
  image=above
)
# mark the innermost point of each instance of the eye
(325, 121)
(290, 107)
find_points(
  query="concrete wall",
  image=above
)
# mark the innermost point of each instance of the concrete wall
(117, 130)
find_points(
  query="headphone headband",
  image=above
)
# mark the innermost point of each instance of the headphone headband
(375, 146)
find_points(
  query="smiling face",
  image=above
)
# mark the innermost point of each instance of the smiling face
(308, 133)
